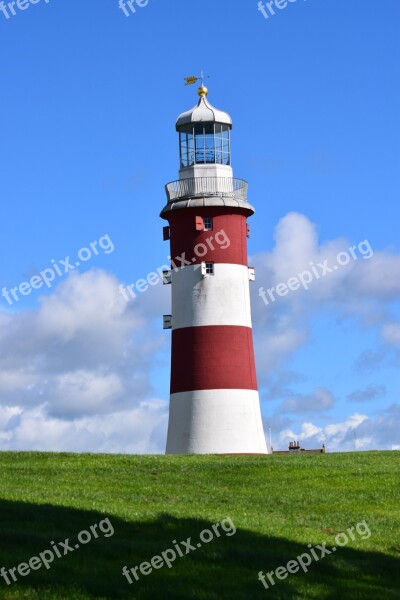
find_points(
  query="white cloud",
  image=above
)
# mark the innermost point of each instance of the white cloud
(391, 333)
(364, 288)
(380, 277)
(371, 392)
(358, 430)
(136, 431)
(275, 341)
(368, 274)
(322, 399)
(371, 360)
(94, 391)
(75, 372)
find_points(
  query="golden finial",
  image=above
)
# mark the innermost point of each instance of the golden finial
(202, 91)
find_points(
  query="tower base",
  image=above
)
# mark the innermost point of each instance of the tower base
(215, 422)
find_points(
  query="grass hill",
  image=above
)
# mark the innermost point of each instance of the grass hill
(279, 505)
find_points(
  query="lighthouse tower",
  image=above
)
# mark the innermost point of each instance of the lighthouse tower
(214, 402)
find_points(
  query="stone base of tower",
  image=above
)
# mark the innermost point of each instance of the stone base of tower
(215, 422)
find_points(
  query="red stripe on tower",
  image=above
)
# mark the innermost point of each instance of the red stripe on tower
(225, 243)
(228, 347)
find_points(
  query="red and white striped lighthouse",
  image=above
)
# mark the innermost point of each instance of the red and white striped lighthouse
(214, 402)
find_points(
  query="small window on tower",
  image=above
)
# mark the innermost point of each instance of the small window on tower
(208, 224)
(209, 268)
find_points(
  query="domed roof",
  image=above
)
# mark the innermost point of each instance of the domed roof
(203, 112)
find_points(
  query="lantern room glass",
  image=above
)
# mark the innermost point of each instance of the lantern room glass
(204, 143)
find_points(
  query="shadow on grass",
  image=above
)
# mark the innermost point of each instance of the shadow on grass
(225, 568)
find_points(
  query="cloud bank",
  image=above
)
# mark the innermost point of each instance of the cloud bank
(76, 372)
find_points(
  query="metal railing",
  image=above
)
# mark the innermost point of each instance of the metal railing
(227, 187)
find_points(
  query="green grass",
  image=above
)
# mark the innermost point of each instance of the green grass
(279, 505)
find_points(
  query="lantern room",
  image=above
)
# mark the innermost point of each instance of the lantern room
(204, 139)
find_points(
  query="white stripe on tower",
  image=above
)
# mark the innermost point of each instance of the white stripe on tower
(215, 422)
(219, 299)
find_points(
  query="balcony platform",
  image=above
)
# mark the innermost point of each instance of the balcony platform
(199, 187)
(201, 192)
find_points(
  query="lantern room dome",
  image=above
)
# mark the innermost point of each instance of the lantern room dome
(203, 112)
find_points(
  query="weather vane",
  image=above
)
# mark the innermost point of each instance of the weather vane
(194, 79)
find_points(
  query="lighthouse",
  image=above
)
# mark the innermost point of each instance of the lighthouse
(214, 402)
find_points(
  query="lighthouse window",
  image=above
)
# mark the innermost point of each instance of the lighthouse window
(204, 143)
(208, 223)
(222, 144)
(209, 268)
(186, 145)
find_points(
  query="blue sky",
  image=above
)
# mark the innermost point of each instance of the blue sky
(89, 102)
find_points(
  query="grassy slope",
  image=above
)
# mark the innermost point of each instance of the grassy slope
(279, 504)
